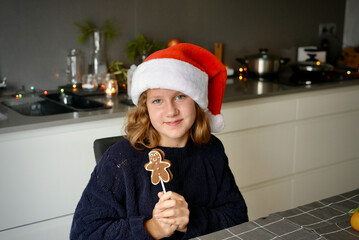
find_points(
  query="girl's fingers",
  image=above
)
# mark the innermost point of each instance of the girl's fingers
(160, 194)
(177, 216)
(166, 204)
(173, 213)
(172, 209)
(171, 200)
(160, 228)
(169, 195)
(166, 213)
(179, 221)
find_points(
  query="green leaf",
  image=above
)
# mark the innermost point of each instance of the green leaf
(87, 28)
(142, 46)
(353, 211)
(109, 30)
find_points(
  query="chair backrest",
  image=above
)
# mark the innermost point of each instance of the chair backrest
(102, 144)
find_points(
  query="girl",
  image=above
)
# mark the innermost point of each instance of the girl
(178, 94)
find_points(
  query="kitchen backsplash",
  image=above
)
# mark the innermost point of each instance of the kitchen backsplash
(36, 35)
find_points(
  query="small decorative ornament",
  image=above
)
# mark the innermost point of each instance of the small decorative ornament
(159, 168)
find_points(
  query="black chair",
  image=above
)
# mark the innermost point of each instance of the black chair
(102, 144)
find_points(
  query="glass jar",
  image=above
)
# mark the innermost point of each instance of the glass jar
(89, 82)
(74, 69)
(97, 64)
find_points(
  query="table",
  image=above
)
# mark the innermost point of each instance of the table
(324, 219)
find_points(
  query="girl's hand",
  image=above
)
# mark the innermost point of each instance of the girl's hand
(159, 230)
(172, 210)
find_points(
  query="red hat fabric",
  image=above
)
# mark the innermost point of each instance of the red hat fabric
(189, 69)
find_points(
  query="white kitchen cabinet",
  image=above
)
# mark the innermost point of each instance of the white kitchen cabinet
(44, 171)
(259, 112)
(291, 150)
(334, 101)
(327, 140)
(324, 182)
(260, 154)
(266, 198)
(53, 229)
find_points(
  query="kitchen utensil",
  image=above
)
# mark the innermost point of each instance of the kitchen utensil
(312, 65)
(262, 63)
(218, 51)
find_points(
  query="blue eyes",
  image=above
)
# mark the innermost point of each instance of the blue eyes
(178, 97)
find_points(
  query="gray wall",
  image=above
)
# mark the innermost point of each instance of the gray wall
(351, 24)
(35, 35)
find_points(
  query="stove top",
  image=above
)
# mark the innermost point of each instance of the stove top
(303, 78)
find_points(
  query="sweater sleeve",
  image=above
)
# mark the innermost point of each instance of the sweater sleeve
(228, 209)
(101, 211)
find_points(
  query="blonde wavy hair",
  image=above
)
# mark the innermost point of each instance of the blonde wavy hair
(141, 133)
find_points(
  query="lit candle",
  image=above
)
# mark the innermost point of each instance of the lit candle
(111, 88)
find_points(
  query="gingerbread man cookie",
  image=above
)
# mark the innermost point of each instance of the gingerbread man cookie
(159, 167)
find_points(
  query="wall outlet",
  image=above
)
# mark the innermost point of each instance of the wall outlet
(327, 29)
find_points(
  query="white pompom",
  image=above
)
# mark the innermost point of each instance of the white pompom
(129, 79)
(216, 122)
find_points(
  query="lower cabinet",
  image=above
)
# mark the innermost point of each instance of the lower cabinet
(54, 229)
(326, 181)
(285, 160)
(43, 173)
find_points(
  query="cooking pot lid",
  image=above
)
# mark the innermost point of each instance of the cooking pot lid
(314, 66)
(263, 53)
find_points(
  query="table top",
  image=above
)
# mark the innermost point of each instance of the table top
(324, 219)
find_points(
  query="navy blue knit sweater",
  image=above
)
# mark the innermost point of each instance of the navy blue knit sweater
(120, 196)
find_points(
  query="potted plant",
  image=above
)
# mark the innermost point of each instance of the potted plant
(140, 48)
(87, 28)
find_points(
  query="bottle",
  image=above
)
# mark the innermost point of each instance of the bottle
(97, 64)
(74, 66)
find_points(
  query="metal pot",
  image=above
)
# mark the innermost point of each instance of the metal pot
(262, 63)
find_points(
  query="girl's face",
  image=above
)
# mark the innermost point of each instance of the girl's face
(172, 114)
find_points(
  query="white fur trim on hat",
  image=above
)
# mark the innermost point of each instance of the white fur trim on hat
(215, 121)
(173, 74)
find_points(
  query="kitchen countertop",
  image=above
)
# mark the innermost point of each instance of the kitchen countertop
(236, 90)
(252, 88)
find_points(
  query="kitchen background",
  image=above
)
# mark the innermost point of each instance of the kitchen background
(35, 35)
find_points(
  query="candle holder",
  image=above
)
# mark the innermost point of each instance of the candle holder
(111, 88)
(89, 82)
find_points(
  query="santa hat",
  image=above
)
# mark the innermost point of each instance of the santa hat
(189, 69)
